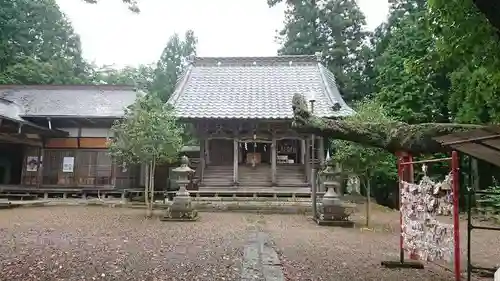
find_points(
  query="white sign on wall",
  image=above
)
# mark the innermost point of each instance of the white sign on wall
(68, 164)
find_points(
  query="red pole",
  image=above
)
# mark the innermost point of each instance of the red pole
(409, 177)
(456, 218)
(400, 186)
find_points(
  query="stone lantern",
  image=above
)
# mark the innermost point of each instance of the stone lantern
(332, 210)
(181, 208)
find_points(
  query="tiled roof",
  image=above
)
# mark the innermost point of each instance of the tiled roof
(11, 111)
(70, 100)
(255, 88)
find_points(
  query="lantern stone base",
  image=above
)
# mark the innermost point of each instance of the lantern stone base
(335, 215)
(180, 216)
(181, 210)
(5, 203)
(403, 264)
(339, 223)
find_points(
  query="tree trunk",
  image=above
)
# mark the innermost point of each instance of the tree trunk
(146, 191)
(152, 185)
(368, 195)
(391, 136)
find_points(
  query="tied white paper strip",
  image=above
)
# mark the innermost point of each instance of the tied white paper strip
(423, 235)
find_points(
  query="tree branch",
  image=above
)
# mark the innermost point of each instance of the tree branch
(393, 136)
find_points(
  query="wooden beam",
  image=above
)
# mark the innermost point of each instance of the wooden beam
(92, 142)
(473, 139)
(14, 138)
(62, 143)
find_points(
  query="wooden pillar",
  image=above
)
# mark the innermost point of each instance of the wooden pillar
(202, 159)
(235, 161)
(23, 168)
(307, 159)
(303, 151)
(207, 149)
(312, 144)
(321, 147)
(321, 158)
(39, 175)
(273, 162)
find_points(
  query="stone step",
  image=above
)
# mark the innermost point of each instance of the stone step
(254, 174)
(254, 184)
(211, 176)
(218, 172)
(218, 179)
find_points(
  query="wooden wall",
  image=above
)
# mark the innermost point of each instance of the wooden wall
(96, 142)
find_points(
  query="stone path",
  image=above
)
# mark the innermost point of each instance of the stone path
(260, 260)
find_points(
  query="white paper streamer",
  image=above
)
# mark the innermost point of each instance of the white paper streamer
(423, 235)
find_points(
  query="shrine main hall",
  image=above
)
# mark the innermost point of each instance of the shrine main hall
(241, 109)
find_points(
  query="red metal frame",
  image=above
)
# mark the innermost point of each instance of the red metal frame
(406, 160)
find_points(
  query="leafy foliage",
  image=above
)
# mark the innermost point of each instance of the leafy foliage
(172, 63)
(38, 45)
(333, 28)
(471, 54)
(142, 76)
(375, 166)
(159, 79)
(490, 203)
(132, 4)
(147, 133)
(359, 159)
(431, 64)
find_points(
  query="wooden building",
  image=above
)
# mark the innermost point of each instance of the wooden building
(55, 136)
(241, 109)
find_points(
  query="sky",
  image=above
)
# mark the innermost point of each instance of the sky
(112, 35)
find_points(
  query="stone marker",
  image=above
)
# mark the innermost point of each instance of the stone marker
(497, 275)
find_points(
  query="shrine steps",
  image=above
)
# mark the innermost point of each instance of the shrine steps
(218, 176)
(259, 175)
(291, 175)
(251, 192)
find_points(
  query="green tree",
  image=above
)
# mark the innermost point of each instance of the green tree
(335, 29)
(142, 77)
(407, 87)
(172, 63)
(375, 167)
(468, 44)
(132, 4)
(147, 135)
(399, 10)
(38, 45)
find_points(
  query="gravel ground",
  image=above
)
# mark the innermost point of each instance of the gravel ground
(96, 243)
(311, 252)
